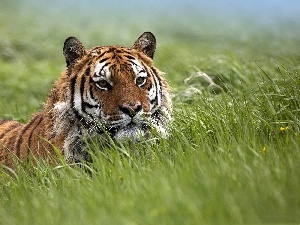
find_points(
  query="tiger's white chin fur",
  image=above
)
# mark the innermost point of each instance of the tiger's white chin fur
(133, 133)
(137, 133)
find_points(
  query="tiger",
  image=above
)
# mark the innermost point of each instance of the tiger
(106, 91)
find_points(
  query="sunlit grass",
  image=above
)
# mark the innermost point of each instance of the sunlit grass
(231, 157)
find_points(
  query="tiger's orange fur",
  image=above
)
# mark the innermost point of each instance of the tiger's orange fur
(109, 89)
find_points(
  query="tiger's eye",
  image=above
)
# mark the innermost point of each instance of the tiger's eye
(103, 84)
(140, 81)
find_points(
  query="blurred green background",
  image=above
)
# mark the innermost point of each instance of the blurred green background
(225, 39)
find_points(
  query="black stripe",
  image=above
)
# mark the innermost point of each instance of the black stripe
(159, 79)
(150, 86)
(134, 63)
(9, 129)
(157, 83)
(20, 136)
(91, 93)
(72, 84)
(104, 59)
(102, 54)
(30, 135)
(153, 100)
(91, 96)
(130, 57)
(147, 69)
(87, 71)
(106, 64)
(81, 89)
(88, 105)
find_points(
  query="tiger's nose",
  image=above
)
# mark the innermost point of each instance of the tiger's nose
(131, 109)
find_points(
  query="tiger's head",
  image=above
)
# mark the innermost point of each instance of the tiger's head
(117, 89)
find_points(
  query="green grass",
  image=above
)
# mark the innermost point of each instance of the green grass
(231, 157)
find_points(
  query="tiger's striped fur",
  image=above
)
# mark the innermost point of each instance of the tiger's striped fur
(109, 89)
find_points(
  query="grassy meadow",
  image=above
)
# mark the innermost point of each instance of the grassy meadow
(233, 154)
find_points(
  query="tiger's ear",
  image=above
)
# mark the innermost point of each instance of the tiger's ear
(146, 43)
(73, 50)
